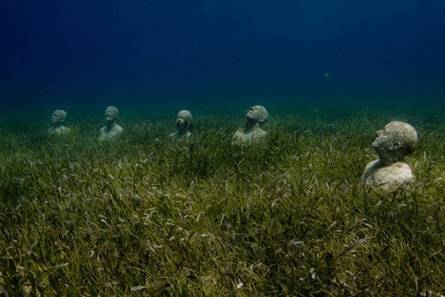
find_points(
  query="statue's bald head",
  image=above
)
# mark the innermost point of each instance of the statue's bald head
(257, 113)
(398, 138)
(58, 116)
(184, 120)
(111, 113)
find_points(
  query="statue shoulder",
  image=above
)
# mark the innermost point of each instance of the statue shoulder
(403, 171)
(370, 168)
(238, 133)
(65, 130)
(118, 128)
(261, 133)
(389, 178)
(372, 164)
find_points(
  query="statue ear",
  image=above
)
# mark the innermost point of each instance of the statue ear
(395, 146)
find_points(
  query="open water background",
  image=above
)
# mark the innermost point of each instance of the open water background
(213, 55)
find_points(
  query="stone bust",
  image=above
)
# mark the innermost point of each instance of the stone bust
(251, 133)
(390, 172)
(111, 130)
(57, 119)
(184, 120)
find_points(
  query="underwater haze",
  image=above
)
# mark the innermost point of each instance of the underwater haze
(107, 190)
(221, 52)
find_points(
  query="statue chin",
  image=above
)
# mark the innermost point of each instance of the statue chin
(180, 126)
(251, 117)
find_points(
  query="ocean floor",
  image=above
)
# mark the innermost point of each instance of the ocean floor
(147, 217)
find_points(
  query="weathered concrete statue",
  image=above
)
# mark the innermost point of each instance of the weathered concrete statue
(57, 119)
(111, 130)
(183, 126)
(252, 133)
(390, 172)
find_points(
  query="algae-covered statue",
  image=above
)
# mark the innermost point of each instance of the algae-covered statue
(57, 119)
(251, 133)
(390, 172)
(183, 126)
(111, 130)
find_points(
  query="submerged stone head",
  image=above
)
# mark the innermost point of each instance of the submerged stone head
(184, 120)
(257, 113)
(395, 141)
(111, 113)
(252, 133)
(111, 130)
(58, 116)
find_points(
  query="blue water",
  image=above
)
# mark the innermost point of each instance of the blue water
(219, 52)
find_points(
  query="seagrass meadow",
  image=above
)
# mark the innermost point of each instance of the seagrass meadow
(147, 217)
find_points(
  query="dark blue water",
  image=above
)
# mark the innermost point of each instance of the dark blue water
(205, 51)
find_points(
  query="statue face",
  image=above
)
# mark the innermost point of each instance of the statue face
(257, 113)
(58, 116)
(383, 138)
(395, 137)
(183, 119)
(111, 113)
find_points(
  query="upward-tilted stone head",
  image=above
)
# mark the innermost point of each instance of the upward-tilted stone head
(390, 172)
(111, 113)
(58, 116)
(251, 133)
(57, 119)
(395, 141)
(111, 130)
(184, 120)
(257, 113)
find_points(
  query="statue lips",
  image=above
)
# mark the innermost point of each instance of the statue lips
(109, 116)
(382, 137)
(377, 142)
